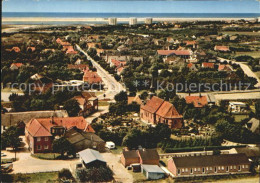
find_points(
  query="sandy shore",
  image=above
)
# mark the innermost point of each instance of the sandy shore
(44, 19)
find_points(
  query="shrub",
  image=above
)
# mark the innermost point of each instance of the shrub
(65, 173)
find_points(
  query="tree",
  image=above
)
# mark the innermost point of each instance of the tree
(133, 139)
(62, 146)
(257, 109)
(144, 95)
(10, 138)
(121, 97)
(72, 107)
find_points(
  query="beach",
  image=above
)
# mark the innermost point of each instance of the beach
(56, 19)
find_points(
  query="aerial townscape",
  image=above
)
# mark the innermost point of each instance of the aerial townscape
(135, 99)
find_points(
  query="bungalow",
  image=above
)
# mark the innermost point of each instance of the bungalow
(197, 101)
(156, 110)
(40, 132)
(82, 140)
(181, 53)
(141, 156)
(91, 158)
(208, 65)
(92, 77)
(16, 66)
(223, 164)
(222, 48)
(224, 67)
(153, 172)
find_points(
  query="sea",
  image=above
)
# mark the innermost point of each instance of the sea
(119, 15)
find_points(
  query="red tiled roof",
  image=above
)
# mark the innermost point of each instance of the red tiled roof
(190, 42)
(91, 77)
(208, 65)
(41, 126)
(32, 48)
(222, 48)
(223, 67)
(16, 49)
(153, 104)
(118, 63)
(198, 101)
(189, 65)
(17, 64)
(93, 45)
(167, 110)
(78, 66)
(173, 52)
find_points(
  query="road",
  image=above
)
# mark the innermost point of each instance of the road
(245, 68)
(113, 86)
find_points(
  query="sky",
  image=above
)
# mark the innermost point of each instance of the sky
(138, 6)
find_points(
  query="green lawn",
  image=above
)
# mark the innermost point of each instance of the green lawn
(117, 150)
(240, 117)
(31, 178)
(241, 33)
(254, 54)
(47, 156)
(103, 103)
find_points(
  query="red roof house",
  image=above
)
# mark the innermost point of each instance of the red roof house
(223, 67)
(82, 67)
(197, 101)
(91, 77)
(40, 132)
(156, 110)
(222, 48)
(15, 66)
(208, 65)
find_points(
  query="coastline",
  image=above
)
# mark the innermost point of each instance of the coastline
(56, 19)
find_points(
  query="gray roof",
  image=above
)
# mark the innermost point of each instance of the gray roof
(89, 155)
(152, 168)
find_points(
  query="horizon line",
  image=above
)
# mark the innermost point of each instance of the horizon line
(127, 12)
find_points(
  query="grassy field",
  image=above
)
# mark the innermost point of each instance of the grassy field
(31, 178)
(240, 117)
(241, 33)
(47, 156)
(254, 54)
(103, 103)
(117, 150)
(258, 74)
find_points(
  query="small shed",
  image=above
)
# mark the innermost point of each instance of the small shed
(153, 172)
(91, 158)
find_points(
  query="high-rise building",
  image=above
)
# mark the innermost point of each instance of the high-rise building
(133, 21)
(148, 21)
(112, 21)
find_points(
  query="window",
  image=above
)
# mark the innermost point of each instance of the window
(46, 147)
(191, 171)
(219, 168)
(207, 168)
(203, 170)
(239, 168)
(227, 169)
(210, 168)
(243, 166)
(198, 169)
(179, 171)
(222, 167)
(246, 166)
(186, 170)
(46, 139)
(235, 167)
(231, 167)
(195, 169)
(182, 170)
(216, 170)
(38, 139)
(38, 147)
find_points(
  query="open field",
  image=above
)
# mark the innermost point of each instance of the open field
(255, 54)
(241, 33)
(32, 177)
(240, 117)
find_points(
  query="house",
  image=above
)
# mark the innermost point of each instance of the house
(152, 172)
(236, 107)
(81, 67)
(174, 60)
(88, 103)
(192, 67)
(71, 51)
(208, 65)
(136, 99)
(40, 132)
(193, 44)
(222, 48)
(41, 83)
(16, 66)
(253, 125)
(140, 156)
(224, 67)
(197, 101)
(82, 140)
(94, 45)
(180, 53)
(92, 77)
(91, 158)
(156, 110)
(223, 164)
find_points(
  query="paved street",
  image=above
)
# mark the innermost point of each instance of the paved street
(101, 110)
(113, 86)
(121, 174)
(245, 68)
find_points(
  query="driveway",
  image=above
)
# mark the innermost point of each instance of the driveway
(121, 174)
